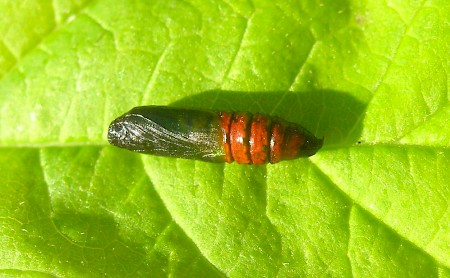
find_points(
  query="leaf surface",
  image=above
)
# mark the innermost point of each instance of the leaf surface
(371, 77)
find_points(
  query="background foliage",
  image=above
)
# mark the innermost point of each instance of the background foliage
(370, 76)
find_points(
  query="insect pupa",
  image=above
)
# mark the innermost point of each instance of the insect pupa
(211, 136)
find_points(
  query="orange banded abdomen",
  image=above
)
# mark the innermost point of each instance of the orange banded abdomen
(260, 139)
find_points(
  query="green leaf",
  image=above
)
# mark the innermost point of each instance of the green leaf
(370, 76)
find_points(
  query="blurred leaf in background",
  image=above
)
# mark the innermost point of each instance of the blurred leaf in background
(370, 76)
